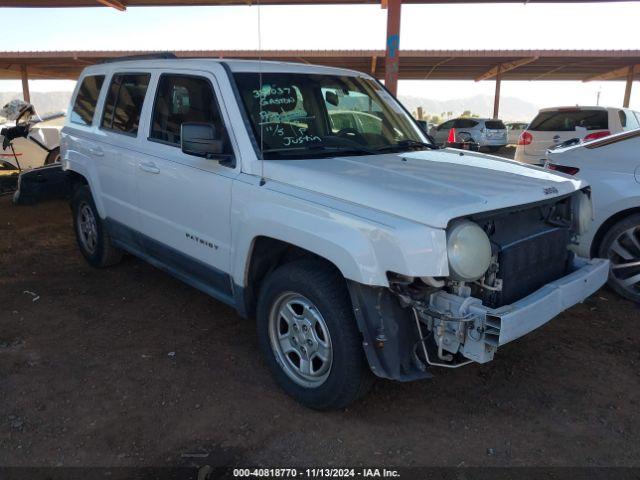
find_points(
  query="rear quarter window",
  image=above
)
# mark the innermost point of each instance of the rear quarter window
(567, 121)
(628, 120)
(84, 106)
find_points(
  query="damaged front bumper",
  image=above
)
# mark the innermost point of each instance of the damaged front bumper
(485, 329)
(451, 330)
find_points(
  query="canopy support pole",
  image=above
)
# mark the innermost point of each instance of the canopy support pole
(25, 83)
(496, 98)
(627, 90)
(392, 57)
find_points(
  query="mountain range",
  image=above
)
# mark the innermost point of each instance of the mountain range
(511, 108)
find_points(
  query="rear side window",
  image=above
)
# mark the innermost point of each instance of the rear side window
(465, 123)
(495, 125)
(567, 121)
(124, 102)
(628, 120)
(623, 118)
(181, 99)
(84, 106)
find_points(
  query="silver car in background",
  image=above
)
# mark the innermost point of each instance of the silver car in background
(489, 134)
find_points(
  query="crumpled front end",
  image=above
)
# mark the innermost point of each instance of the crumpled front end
(527, 276)
(463, 326)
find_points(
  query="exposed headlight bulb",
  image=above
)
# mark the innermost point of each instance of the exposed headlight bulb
(468, 251)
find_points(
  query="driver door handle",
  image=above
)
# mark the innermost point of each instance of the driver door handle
(148, 167)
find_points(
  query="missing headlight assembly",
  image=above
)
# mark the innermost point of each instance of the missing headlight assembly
(498, 262)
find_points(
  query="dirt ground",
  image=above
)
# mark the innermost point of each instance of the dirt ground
(128, 366)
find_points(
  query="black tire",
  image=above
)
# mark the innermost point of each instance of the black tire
(349, 377)
(493, 149)
(53, 157)
(104, 254)
(616, 277)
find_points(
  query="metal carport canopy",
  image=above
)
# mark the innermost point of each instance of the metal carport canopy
(392, 54)
(582, 65)
(393, 7)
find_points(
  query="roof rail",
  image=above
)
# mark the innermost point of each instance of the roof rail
(146, 56)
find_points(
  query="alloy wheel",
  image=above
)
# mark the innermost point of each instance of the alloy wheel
(624, 255)
(300, 339)
(87, 228)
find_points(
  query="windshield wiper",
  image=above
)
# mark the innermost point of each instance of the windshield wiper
(408, 143)
(289, 152)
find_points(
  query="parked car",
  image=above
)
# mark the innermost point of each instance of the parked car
(41, 147)
(357, 252)
(612, 166)
(489, 134)
(514, 131)
(553, 126)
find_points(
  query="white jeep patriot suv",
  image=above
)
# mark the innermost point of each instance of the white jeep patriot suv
(308, 198)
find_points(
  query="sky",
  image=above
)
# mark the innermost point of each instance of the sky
(475, 26)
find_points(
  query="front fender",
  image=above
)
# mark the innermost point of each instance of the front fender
(363, 248)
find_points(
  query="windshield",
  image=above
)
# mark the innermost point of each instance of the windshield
(307, 115)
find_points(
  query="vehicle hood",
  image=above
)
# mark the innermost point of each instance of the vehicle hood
(429, 187)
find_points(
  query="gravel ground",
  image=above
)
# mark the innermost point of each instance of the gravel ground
(129, 367)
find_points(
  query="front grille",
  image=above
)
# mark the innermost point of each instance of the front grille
(529, 263)
(531, 247)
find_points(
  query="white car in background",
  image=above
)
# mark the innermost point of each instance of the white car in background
(612, 166)
(514, 130)
(41, 147)
(489, 134)
(553, 126)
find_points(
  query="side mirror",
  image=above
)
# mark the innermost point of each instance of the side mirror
(332, 98)
(201, 140)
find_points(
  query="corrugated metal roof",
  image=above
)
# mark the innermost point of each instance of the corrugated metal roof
(414, 64)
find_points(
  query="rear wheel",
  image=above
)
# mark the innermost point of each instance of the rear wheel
(91, 234)
(309, 336)
(621, 245)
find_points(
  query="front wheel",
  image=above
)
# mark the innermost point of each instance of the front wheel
(621, 245)
(309, 336)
